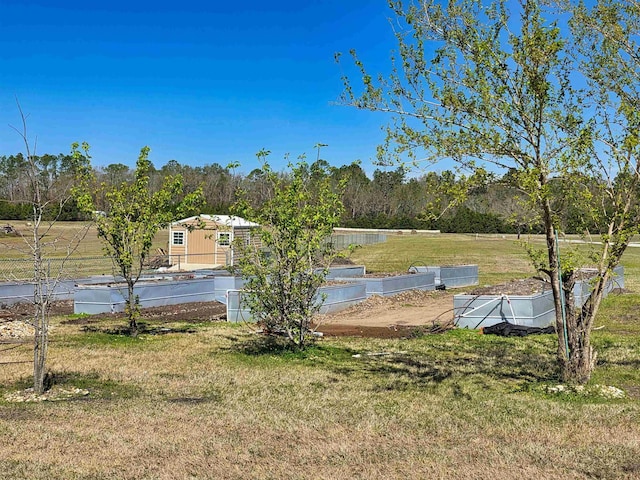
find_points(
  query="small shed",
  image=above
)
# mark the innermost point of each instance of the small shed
(207, 240)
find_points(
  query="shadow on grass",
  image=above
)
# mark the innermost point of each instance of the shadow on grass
(143, 329)
(263, 345)
(492, 362)
(212, 396)
(69, 387)
(628, 363)
(99, 388)
(447, 357)
(271, 345)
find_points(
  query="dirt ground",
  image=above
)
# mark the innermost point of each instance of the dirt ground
(390, 317)
(525, 286)
(382, 317)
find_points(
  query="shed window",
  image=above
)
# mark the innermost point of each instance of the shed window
(177, 238)
(224, 238)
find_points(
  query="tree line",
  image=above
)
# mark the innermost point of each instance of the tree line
(390, 198)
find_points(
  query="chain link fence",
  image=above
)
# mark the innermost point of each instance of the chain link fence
(342, 241)
(19, 269)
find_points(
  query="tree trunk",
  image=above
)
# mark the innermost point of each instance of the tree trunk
(39, 341)
(132, 310)
(554, 274)
(581, 362)
(582, 358)
(40, 317)
(575, 354)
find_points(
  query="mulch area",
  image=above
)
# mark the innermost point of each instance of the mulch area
(199, 312)
(525, 286)
(195, 312)
(392, 331)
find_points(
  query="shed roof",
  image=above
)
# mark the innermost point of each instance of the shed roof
(227, 220)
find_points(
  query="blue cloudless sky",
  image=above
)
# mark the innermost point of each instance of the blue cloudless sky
(199, 82)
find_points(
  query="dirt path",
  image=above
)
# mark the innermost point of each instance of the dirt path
(391, 316)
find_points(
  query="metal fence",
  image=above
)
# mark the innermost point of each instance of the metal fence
(180, 262)
(342, 241)
(21, 269)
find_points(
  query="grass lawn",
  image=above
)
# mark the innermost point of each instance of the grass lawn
(87, 259)
(223, 403)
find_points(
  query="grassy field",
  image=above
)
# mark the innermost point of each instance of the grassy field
(223, 403)
(85, 260)
(499, 257)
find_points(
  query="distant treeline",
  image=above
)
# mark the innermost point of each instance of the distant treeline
(389, 199)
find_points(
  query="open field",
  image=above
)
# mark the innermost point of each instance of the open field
(87, 259)
(60, 236)
(215, 400)
(500, 257)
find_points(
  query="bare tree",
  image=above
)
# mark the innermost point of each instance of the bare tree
(46, 194)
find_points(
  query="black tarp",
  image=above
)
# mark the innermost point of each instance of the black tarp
(506, 329)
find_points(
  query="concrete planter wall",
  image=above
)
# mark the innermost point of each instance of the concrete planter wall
(386, 286)
(111, 298)
(223, 284)
(236, 311)
(336, 298)
(451, 276)
(340, 297)
(22, 292)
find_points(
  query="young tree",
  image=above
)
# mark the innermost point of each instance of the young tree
(283, 274)
(134, 214)
(478, 84)
(47, 191)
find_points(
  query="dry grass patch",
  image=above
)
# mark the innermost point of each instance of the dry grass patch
(221, 402)
(16, 262)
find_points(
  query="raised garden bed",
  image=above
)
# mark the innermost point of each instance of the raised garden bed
(582, 288)
(107, 298)
(336, 298)
(476, 311)
(526, 302)
(12, 293)
(393, 284)
(451, 276)
(346, 271)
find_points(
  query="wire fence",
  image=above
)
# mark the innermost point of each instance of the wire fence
(341, 241)
(21, 269)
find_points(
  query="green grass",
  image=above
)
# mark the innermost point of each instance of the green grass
(223, 402)
(499, 257)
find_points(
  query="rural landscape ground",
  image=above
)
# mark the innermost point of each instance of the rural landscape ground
(379, 396)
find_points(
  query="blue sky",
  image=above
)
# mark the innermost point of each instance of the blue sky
(199, 82)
